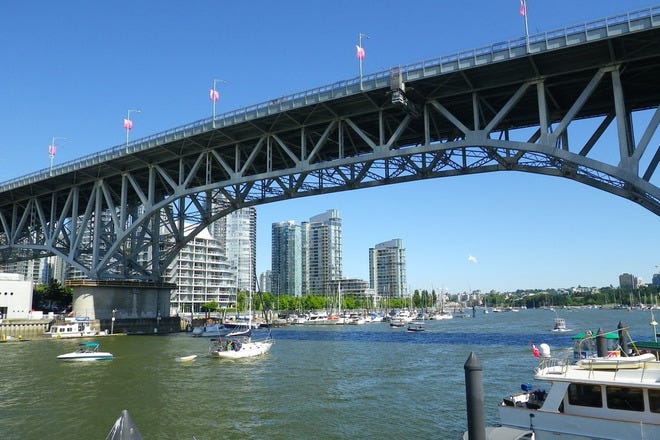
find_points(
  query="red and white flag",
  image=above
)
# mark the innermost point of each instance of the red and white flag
(535, 351)
(214, 95)
(128, 124)
(359, 52)
(52, 149)
(523, 7)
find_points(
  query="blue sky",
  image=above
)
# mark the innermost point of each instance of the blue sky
(72, 69)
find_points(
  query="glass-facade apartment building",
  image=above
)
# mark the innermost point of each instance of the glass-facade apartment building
(286, 259)
(387, 269)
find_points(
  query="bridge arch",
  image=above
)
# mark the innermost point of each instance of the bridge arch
(126, 214)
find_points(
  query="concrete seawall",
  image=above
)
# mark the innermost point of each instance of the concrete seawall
(35, 328)
(24, 328)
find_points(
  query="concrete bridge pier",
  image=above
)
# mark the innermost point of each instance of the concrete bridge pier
(125, 306)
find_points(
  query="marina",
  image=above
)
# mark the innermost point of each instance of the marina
(364, 381)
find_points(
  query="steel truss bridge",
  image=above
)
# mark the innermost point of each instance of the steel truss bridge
(125, 213)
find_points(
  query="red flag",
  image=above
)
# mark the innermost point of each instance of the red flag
(128, 124)
(52, 149)
(535, 351)
(214, 95)
(360, 52)
(523, 8)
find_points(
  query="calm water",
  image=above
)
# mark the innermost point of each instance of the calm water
(321, 382)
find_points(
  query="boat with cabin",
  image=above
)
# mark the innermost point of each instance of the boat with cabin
(72, 328)
(612, 395)
(560, 325)
(87, 351)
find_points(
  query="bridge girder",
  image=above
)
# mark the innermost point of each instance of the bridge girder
(129, 219)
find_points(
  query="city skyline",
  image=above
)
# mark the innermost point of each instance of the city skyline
(72, 87)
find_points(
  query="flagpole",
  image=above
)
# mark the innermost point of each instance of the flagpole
(523, 11)
(52, 149)
(361, 54)
(214, 95)
(129, 125)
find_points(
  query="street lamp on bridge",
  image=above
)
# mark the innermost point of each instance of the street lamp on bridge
(214, 95)
(128, 124)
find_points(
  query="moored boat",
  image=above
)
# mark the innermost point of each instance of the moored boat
(72, 328)
(604, 397)
(211, 329)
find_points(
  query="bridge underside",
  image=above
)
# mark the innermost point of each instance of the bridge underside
(128, 217)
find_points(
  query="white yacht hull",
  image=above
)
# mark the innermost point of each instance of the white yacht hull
(247, 349)
(565, 426)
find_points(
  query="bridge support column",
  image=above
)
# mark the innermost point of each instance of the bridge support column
(144, 307)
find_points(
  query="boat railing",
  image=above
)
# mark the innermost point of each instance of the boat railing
(554, 365)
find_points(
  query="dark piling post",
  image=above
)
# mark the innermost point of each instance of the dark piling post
(474, 394)
(623, 342)
(601, 344)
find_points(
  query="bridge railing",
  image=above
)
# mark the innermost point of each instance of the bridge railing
(533, 44)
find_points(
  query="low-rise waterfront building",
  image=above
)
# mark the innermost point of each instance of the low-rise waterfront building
(15, 296)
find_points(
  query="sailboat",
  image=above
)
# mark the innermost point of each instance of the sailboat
(340, 317)
(442, 314)
(238, 346)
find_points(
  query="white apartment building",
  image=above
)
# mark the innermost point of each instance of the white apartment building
(321, 252)
(241, 242)
(202, 274)
(15, 296)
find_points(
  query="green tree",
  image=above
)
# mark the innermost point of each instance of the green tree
(52, 296)
(209, 307)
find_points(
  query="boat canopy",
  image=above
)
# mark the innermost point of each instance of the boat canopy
(584, 335)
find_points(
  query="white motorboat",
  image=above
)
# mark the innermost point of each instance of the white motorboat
(604, 397)
(72, 328)
(560, 326)
(415, 326)
(88, 351)
(442, 315)
(211, 329)
(316, 318)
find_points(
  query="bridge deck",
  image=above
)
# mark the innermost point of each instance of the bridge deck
(567, 55)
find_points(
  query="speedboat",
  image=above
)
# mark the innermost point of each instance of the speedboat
(88, 351)
(608, 396)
